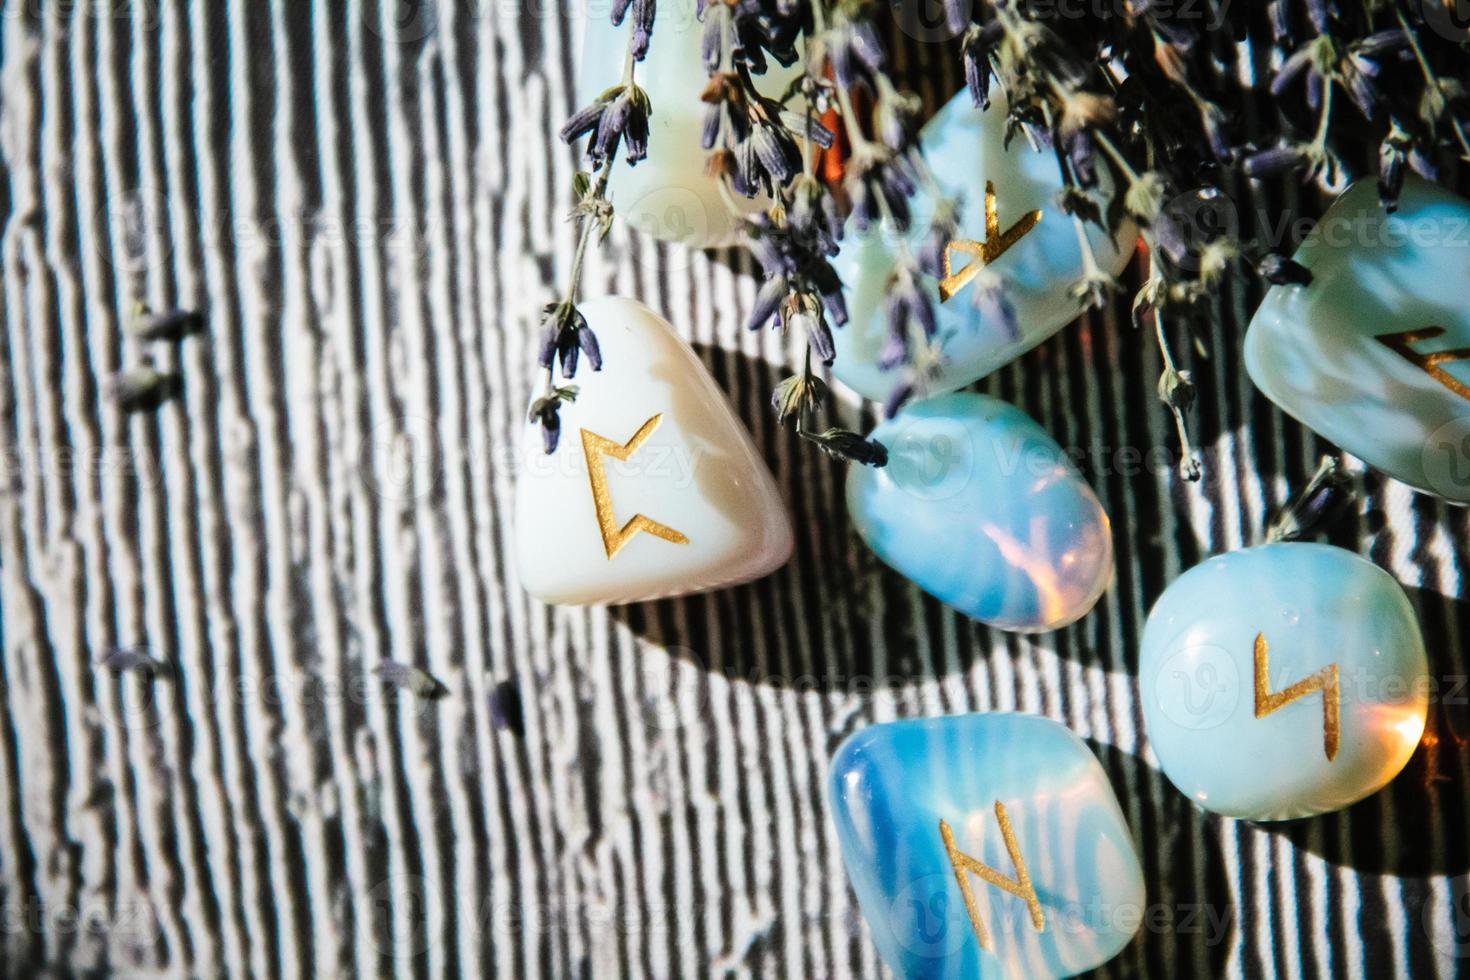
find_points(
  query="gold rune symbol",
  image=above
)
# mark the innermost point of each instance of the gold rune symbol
(994, 246)
(1429, 363)
(594, 447)
(1020, 886)
(1324, 680)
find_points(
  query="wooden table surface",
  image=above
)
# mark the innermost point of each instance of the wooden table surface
(368, 204)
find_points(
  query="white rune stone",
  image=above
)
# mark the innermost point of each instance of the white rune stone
(656, 489)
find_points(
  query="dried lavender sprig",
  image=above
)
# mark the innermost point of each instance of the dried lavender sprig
(757, 148)
(618, 118)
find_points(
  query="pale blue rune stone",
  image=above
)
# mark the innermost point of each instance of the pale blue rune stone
(1314, 606)
(1327, 352)
(893, 783)
(964, 147)
(980, 508)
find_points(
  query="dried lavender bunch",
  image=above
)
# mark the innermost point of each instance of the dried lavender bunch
(763, 146)
(616, 119)
(1150, 92)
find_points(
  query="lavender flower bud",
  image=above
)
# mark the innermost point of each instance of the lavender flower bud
(900, 394)
(896, 316)
(568, 357)
(895, 349)
(550, 431)
(142, 388)
(1281, 271)
(412, 679)
(772, 292)
(777, 153)
(1393, 162)
(585, 119)
(588, 341)
(922, 309)
(547, 354)
(166, 324)
(1275, 161)
(643, 11)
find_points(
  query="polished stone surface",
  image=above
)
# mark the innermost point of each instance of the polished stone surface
(668, 195)
(1371, 355)
(692, 507)
(965, 148)
(1319, 619)
(981, 509)
(891, 785)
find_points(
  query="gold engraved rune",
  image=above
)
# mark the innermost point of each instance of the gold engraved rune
(1324, 680)
(1402, 343)
(995, 245)
(1020, 886)
(594, 447)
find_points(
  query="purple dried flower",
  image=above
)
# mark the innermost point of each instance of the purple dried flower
(619, 113)
(777, 152)
(1276, 161)
(1281, 271)
(165, 324)
(855, 53)
(896, 399)
(819, 337)
(767, 301)
(412, 679)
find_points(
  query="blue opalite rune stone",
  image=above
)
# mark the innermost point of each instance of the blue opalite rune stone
(966, 148)
(1055, 890)
(1372, 354)
(981, 508)
(1283, 681)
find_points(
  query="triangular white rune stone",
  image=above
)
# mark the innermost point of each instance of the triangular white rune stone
(656, 489)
